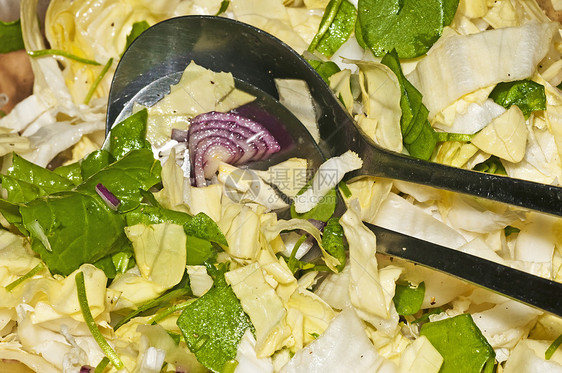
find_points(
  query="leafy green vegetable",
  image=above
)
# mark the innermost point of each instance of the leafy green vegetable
(146, 214)
(322, 211)
(419, 137)
(202, 226)
(449, 136)
(11, 212)
(492, 165)
(336, 26)
(36, 175)
(200, 251)
(333, 241)
(138, 28)
(128, 135)
(509, 230)
(324, 68)
(529, 96)
(10, 36)
(408, 299)
(137, 170)
(461, 343)
(21, 191)
(425, 316)
(214, 324)
(94, 162)
(409, 26)
(72, 172)
(80, 229)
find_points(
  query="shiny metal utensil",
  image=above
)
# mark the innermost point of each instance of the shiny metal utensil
(255, 59)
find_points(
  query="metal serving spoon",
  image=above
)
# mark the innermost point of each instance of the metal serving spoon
(255, 58)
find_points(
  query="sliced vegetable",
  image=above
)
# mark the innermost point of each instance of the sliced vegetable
(335, 28)
(408, 298)
(35, 270)
(333, 241)
(418, 135)
(528, 95)
(408, 26)
(146, 214)
(10, 36)
(226, 137)
(553, 347)
(109, 198)
(97, 82)
(461, 343)
(214, 324)
(61, 53)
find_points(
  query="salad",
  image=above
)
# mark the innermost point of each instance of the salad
(158, 251)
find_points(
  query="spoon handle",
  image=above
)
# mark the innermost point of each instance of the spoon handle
(526, 194)
(532, 290)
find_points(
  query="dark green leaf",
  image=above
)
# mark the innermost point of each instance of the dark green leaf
(214, 324)
(10, 36)
(409, 26)
(202, 226)
(94, 162)
(107, 266)
(408, 299)
(492, 165)
(72, 172)
(324, 69)
(335, 28)
(200, 251)
(322, 211)
(80, 229)
(36, 175)
(128, 135)
(529, 96)
(419, 137)
(461, 343)
(138, 28)
(11, 212)
(21, 191)
(147, 215)
(333, 241)
(137, 170)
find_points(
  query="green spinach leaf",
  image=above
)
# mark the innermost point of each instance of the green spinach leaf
(129, 135)
(409, 26)
(492, 165)
(322, 211)
(200, 251)
(31, 173)
(528, 95)
(80, 229)
(214, 324)
(202, 226)
(333, 241)
(407, 298)
(147, 215)
(419, 137)
(335, 28)
(461, 343)
(324, 68)
(10, 36)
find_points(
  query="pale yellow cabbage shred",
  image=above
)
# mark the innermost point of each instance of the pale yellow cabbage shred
(40, 321)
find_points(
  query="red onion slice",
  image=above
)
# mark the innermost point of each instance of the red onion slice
(109, 198)
(226, 137)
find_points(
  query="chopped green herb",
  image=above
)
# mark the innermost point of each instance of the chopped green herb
(553, 347)
(333, 241)
(137, 29)
(461, 343)
(336, 26)
(419, 137)
(492, 165)
(10, 37)
(97, 81)
(88, 318)
(170, 310)
(408, 299)
(224, 6)
(344, 189)
(409, 26)
(528, 95)
(324, 68)
(214, 324)
(102, 365)
(61, 53)
(35, 270)
(293, 262)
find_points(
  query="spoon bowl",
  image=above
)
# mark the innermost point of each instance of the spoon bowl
(255, 58)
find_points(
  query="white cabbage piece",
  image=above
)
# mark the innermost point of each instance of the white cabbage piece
(14, 357)
(365, 289)
(397, 214)
(334, 289)
(474, 118)
(523, 359)
(344, 346)
(241, 227)
(206, 199)
(172, 195)
(12, 142)
(159, 251)
(199, 280)
(340, 84)
(420, 357)
(459, 64)
(289, 176)
(198, 91)
(134, 289)
(264, 307)
(370, 192)
(329, 174)
(247, 359)
(505, 137)
(295, 96)
(381, 103)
